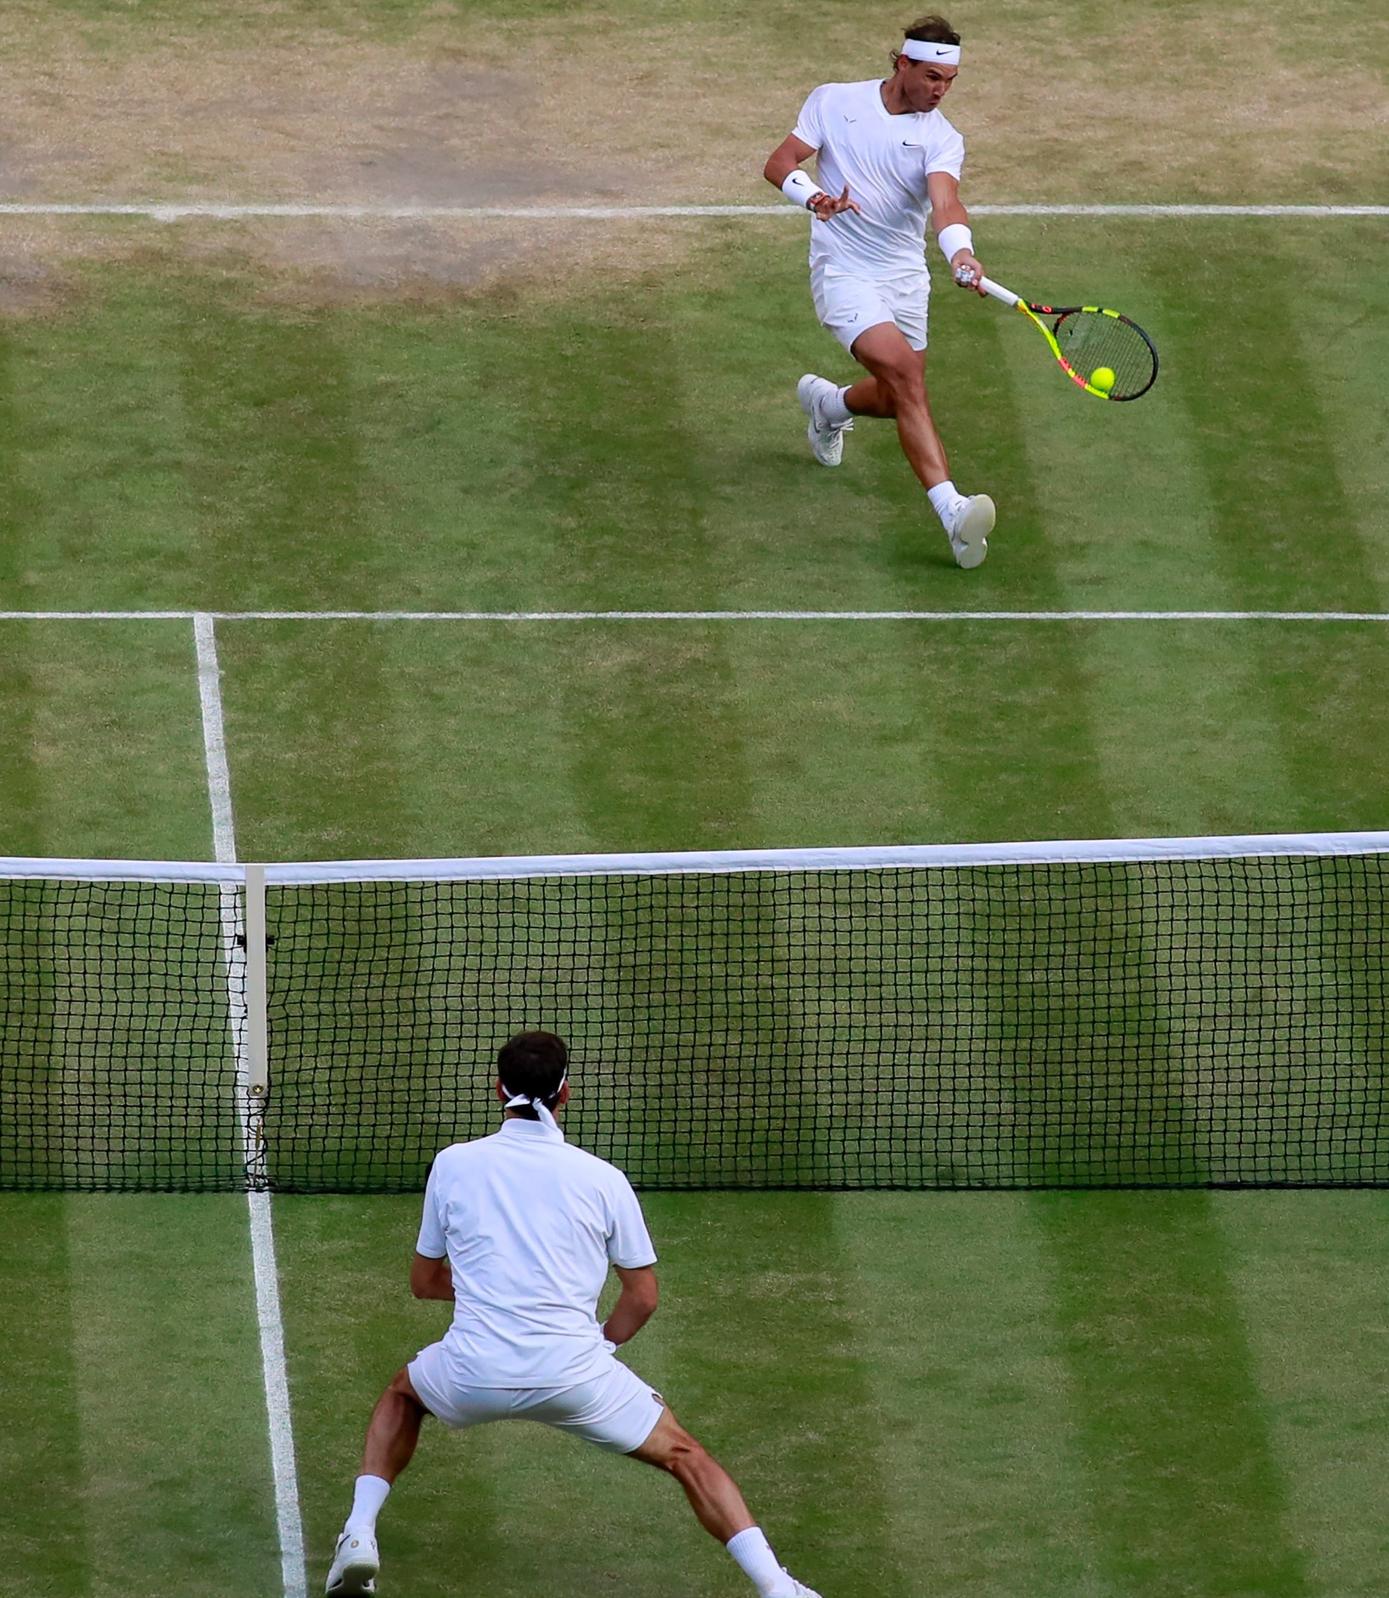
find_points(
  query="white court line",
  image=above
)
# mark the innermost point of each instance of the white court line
(211, 210)
(271, 1324)
(210, 616)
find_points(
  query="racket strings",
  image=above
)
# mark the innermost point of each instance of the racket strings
(1090, 340)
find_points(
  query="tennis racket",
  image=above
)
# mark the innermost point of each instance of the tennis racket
(1087, 339)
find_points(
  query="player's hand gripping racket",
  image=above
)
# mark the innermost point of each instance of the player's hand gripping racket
(1103, 352)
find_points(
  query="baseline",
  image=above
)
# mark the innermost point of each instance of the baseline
(206, 210)
(208, 617)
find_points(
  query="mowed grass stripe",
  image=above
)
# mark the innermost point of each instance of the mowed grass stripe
(1308, 1272)
(968, 1417)
(1273, 506)
(46, 1505)
(1343, 349)
(98, 431)
(274, 460)
(19, 508)
(1188, 1495)
(171, 1412)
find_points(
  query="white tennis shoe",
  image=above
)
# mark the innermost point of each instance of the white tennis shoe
(802, 1591)
(970, 527)
(826, 438)
(355, 1564)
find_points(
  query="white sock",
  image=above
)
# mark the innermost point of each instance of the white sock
(833, 408)
(945, 498)
(367, 1500)
(754, 1553)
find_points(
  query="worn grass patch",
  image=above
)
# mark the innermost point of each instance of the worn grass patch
(636, 104)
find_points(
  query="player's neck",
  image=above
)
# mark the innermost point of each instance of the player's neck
(894, 101)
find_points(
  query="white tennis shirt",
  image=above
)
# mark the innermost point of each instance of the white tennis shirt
(530, 1225)
(884, 160)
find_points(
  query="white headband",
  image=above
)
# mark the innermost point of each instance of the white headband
(945, 55)
(536, 1102)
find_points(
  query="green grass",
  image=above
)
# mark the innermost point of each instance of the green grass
(639, 445)
(1117, 1396)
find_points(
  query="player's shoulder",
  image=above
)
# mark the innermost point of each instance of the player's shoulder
(454, 1155)
(592, 1167)
(943, 130)
(859, 90)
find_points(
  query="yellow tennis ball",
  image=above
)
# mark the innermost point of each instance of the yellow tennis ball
(1102, 378)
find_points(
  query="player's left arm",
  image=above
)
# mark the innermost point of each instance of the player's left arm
(431, 1278)
(948, 210)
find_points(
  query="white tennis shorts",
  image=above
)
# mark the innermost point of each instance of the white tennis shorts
(616, 1409)
(849, 305)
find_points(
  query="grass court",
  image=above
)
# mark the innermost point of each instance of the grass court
(1102, 1395)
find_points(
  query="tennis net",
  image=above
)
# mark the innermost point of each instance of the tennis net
(1159, 1013)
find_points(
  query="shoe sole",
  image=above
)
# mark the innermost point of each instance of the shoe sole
(973, 533)
(356, 1581)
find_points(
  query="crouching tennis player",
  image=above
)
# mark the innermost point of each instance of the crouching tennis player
(519, 1230)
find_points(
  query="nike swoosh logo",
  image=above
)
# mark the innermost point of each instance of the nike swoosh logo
(942, 52)
(851, 119)
(908, 145)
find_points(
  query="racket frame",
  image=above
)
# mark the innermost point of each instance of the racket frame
(1034, 313)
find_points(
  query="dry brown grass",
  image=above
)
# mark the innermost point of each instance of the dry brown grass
(1173, 102)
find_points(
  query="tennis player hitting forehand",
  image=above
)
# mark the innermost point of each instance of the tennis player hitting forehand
(518, 1233)
(886, 156)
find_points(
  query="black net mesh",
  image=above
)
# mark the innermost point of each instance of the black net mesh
(117, 1037)
(1091, 340)
(1172, 1023)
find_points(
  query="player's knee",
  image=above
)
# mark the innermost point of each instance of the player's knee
(905, 383)
(403, 1387)
(689, 1460)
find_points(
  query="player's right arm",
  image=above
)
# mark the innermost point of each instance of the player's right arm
(431, 1278)
(636, 1304)
(786, 159)
(430, 1273)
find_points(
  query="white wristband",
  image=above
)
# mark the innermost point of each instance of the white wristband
(800, 188)
(955, 238)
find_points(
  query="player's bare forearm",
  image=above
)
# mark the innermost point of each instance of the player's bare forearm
(784, 160)
(948, 211)
(430, 1278)
(636, 1304)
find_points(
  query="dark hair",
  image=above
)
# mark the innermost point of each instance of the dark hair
(533, 1063)
(932, 30)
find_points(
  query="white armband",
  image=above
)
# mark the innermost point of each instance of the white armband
(955, 238)
(800, 188)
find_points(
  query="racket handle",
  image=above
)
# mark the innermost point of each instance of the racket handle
(997, 291)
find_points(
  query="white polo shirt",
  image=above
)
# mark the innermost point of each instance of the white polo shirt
(530, 1225)
(884, 160)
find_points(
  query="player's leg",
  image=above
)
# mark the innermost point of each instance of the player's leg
(392, 1433)
(898, 379)
(896, 387)
(618, 1411)
(718, 1503)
